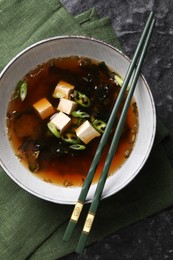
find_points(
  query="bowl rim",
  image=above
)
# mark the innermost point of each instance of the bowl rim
(55, 38)
(49, 39)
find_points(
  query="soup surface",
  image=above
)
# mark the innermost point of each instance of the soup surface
(57, 151)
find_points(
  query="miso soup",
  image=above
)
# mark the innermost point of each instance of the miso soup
(57, 115)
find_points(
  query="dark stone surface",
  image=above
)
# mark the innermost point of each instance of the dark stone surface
(152, 238)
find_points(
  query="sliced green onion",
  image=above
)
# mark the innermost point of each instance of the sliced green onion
(23, 90)
(53, 129)
(119, 81)
(70, 138)
(82, 99)
(99, 125)
(78, 147)
(80, 114)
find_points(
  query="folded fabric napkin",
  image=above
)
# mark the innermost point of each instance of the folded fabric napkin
(31, 228)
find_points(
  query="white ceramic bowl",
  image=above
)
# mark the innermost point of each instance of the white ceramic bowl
(67, 46)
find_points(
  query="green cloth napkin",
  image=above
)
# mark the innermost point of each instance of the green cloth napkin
(33, 228)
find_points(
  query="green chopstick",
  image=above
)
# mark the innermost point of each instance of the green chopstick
(97, 195)
(79, 205)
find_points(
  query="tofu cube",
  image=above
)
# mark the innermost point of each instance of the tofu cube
(44, 108)
(67, 106)
(86, 132)
(61, 121)
(63, 90)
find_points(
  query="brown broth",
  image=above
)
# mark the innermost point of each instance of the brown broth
(25, 126)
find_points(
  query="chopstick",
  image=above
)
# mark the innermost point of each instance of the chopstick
(111, 152)
(139, 54)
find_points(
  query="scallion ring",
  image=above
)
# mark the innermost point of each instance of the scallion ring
(23, 90)
(82, 99)
(70, 138)
(53, 129)
(80, 114)
(78, 147)
(99, 125)
(119, 81)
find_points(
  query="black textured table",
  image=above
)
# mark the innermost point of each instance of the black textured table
(152, 238)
